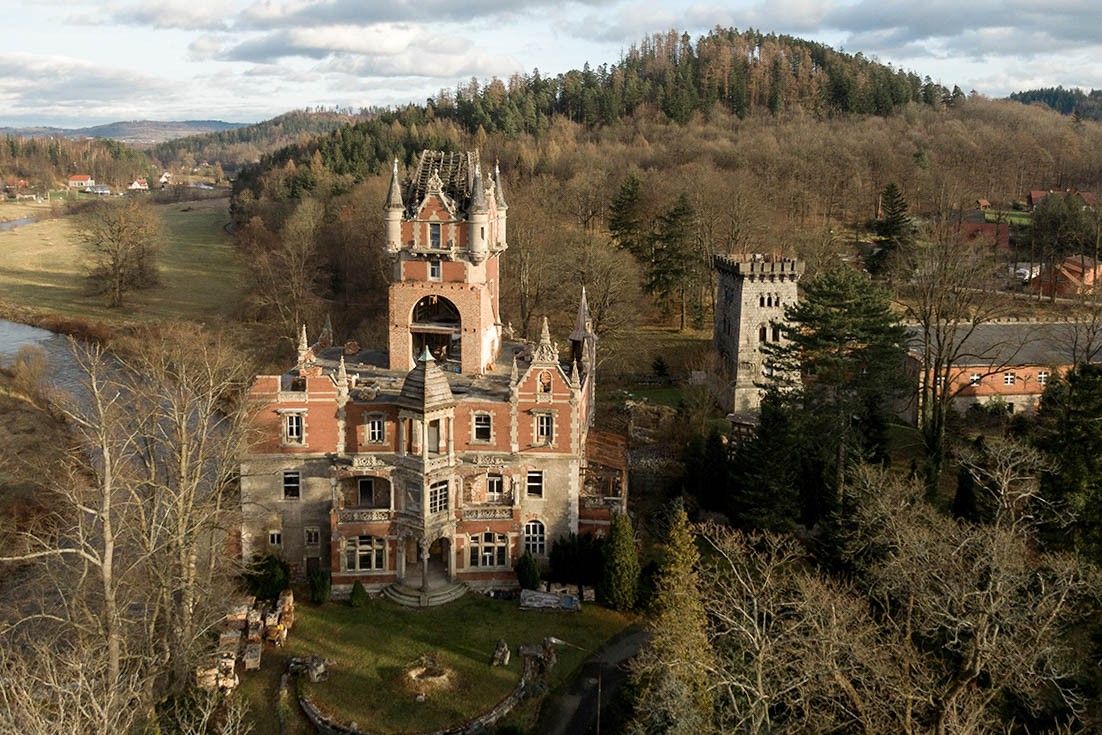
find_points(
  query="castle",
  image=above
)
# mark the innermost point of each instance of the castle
(753, 292)
(429, 469)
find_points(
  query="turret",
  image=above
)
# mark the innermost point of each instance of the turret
(392, 212)
(502, 207)
(478, 219)
(582, 339)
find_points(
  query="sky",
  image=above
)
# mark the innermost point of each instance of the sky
(73, 63)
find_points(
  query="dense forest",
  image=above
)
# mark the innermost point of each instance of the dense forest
(233, 148)
(48, 162)
(1072, 101)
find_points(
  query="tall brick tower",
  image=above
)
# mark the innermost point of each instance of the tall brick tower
(446, 228)
(753, 292)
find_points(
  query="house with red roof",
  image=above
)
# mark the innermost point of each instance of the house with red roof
(81, 181)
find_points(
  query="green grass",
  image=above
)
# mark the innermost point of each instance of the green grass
(371, 646)
(42, 266)
(1012, 216)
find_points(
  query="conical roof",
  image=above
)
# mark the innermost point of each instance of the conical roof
(581, 324)
(426, 385)
(394, 197)
(478, 193)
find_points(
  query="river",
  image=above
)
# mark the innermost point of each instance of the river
(62, 373)
(13, 223)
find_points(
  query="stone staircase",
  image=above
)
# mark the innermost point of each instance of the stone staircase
(416, 597)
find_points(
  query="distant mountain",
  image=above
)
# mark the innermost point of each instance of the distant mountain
(246, 144)
(1065, 101)
(132, 132)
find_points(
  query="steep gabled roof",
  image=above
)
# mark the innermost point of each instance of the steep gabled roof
(456, 174)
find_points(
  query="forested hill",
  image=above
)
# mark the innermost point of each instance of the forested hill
(1065, 101)
(232, 148)
(745, 73)
(48, 162)
(131, 132)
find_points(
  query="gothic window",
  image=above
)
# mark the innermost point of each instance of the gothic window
(438, 497)
(776, 333)
(292, 485)
(434, 235)
(495, 486)
(763, 334)
(376, 430)
(365, 553)
(434, 270)
(312, 535)
(761, 300)
(483, 427)
(769, 300)
(535, 483)
(275, 538)
(545, 382)
(489, 550)
(294, 428)
(545, 428)
(535, 538)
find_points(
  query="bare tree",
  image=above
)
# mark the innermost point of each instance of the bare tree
(122, 239)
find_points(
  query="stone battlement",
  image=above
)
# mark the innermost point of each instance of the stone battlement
(759, 265)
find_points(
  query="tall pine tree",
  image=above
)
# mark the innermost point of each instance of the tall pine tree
(620, 582)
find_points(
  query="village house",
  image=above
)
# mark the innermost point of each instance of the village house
(81, 181)
(1075, 275)
(138, 185)
(1005, 363)
(431, 467)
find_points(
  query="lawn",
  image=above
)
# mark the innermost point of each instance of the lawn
(42, 266)
(1012, 216)
(371, 647)
(10, 210)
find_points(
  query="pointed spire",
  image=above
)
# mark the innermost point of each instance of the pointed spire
(499, 193)
(514, 374)
(325, 339)
(582, 325)
(394, 198)
(303, 346)
(478, 193)
(342, 373)
(575, 377)
(545, 351)
(426, 356)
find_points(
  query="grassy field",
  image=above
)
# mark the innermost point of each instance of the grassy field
(10, 210)
(1012, 216)
(42, 266)
(372, 646)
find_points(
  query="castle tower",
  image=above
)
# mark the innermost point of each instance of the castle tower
(753, 293)
(446, 231)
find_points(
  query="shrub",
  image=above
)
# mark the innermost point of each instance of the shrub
(267, 577)
(620, 584)
(321, 586)
(528, 572)
(358, 597)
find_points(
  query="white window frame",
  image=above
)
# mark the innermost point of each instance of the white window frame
(311, 535)
(275, 537)
(545, 438)
(439, 496)
(1009, 378)
(489, 427)
(375, 429)
(528, 484)
(297, 477)
(495, 479)
(535, 537)
(975, 379)
(488, 550)
(356, 548)
(289, 419)
(1042, 377)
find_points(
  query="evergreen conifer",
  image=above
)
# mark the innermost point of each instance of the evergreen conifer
(620, 584)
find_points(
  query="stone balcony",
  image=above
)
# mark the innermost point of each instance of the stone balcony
(362, 515)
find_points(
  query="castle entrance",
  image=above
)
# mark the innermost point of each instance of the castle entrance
(431, 572)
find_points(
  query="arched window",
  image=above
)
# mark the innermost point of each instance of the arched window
(365, 553)
(776, 333)
(545, 382)
(488, 550)
(535, 538)
(761, 300)
(763, 334)
(769, 300)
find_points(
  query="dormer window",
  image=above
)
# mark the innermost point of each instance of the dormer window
(434, 235)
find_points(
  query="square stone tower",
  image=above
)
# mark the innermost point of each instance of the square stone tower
(753, 293)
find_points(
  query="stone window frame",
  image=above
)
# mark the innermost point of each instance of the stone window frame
(286, 416)
(552, 415)
(478, 545)
(475, 416)
(377, 546)
(436, 269)
(436, 243)
(297, 484)
(763, 333)
(501, 492)
(528, 483)
(311, 532)
(535, 537)
(275, 538)
(545, 386)
(359, 492)
(368, 421)
(439, 499)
